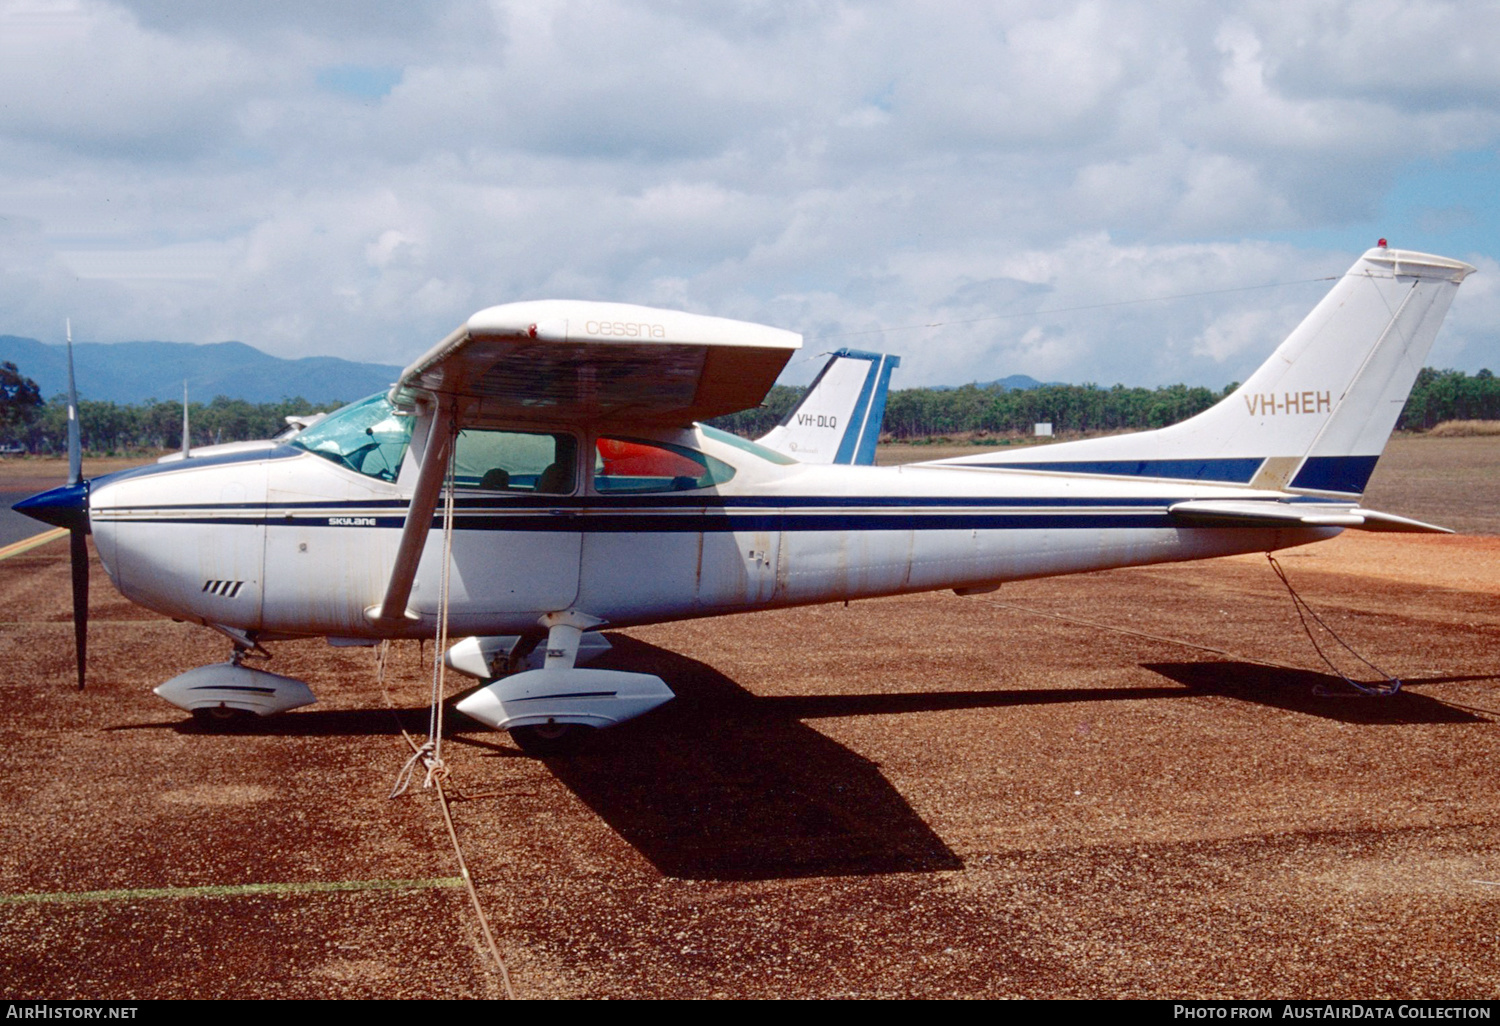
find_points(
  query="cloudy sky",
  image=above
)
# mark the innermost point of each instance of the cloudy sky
(1133, 192)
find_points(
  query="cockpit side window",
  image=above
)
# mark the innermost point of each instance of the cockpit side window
(367, 436)
(515, 461)
(638, 465)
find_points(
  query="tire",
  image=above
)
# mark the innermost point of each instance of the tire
(220, 717)
(551, 738)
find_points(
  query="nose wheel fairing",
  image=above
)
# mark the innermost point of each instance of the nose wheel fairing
(231, 686)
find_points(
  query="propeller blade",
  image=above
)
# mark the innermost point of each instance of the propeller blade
(68, 506)
(78, 543)
(79, 547)
(75, 447)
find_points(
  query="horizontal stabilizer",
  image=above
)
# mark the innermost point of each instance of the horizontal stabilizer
(1215, 513)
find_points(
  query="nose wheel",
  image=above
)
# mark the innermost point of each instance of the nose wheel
(220, 717)
(551, 738)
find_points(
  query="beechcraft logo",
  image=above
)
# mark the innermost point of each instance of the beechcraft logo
(1268, 403)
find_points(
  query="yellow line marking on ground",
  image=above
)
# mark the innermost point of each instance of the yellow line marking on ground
(233, 890)
(27, 544)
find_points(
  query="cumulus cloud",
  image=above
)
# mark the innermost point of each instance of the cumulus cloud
(356, 178)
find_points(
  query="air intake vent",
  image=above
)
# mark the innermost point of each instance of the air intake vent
(228, 589)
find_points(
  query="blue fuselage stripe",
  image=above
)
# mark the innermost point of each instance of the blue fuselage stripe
(1343, 474)
(722, 524)
(1232, 471)
(698, 514)
(632, 504)
(831, 515)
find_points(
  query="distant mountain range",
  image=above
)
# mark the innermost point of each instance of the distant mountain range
(1013, 381)
(132, 372)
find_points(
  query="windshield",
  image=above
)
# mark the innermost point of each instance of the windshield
(366, 436)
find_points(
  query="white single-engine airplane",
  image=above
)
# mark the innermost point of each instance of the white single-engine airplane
(585, 494)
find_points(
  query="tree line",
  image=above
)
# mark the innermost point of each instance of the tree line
(971, 410)
(1450, 395)
(911, 414)
(109, 428)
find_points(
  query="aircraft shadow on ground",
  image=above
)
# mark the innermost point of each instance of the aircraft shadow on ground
(1317, 694)
(715, 786)
(725, 785)
(302, 723)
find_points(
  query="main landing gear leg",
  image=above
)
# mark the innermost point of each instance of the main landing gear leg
(564, 631)
(551, 710)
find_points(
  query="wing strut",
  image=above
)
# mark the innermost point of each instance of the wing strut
(392, 612)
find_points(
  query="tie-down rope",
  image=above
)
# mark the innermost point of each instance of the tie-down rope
(1391, 686)
(382, 657)
(430, 753)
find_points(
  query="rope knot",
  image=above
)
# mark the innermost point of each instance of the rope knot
(423, 754)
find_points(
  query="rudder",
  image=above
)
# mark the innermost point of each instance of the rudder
(1316, 415)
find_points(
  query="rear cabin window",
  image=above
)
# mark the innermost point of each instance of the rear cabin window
(515, 461)
(629, 465)
(745, 445)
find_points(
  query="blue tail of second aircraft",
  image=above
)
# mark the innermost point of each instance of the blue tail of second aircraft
(838, 420)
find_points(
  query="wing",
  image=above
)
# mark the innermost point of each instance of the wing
(570, 361)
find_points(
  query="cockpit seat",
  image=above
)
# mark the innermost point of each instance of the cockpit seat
(555, 480)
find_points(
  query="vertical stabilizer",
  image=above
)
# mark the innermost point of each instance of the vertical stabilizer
(838, 420)
(1316, 415)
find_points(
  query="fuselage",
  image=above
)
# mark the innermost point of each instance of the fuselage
(296, 541)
